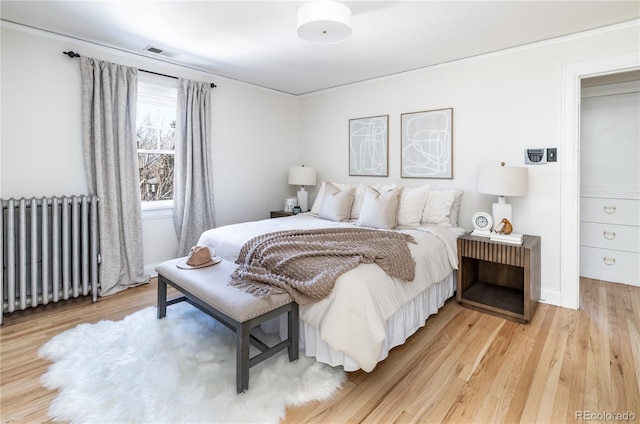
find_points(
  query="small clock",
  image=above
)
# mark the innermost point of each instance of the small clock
(482, 224)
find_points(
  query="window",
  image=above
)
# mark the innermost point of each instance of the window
(156, 128)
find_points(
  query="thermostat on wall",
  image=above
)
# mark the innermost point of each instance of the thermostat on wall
(535, 156)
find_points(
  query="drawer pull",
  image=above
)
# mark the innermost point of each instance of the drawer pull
(610, 209)
(609, 235)
(609, 261)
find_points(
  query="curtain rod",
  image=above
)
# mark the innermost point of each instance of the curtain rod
(73, 54)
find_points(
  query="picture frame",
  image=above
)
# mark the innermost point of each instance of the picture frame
(289, 204)
(426, 144)
(369, 146)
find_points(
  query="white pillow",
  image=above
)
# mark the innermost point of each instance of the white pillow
(438, 207)
(455, 209)
(359, 196)
(317, 203)
(384, 187)
(380, 209)
(412, 203)
(336, 203)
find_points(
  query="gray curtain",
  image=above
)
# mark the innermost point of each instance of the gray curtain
(193, 210)
(109, 96)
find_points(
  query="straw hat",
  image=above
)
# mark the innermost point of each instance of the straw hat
(199, 257)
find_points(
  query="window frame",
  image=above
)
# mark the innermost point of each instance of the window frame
(164, 92)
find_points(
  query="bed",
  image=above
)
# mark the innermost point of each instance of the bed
(368, 312)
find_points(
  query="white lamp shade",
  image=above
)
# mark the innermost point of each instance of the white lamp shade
(503, 180)
(302, 175)
(324, 21)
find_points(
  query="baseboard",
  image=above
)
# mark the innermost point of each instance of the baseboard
(551, 297)
(150, 270)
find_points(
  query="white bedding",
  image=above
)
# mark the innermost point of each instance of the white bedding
(353, 318)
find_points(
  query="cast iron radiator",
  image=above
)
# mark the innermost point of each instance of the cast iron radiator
(49, 250)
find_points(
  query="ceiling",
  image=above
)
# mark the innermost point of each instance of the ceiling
(256, 41)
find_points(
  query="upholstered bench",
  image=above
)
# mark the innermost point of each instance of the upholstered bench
(208, 290)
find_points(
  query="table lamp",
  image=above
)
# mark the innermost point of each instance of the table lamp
(502, 181)
(302, 176)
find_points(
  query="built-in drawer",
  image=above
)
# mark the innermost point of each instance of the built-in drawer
(611, 211)
(610, 265)
(610, 236)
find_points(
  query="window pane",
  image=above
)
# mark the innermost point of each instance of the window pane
(142, 114)
(166, 116)
(153, 115)
(156, 176)
(168, 138)
(147, 138)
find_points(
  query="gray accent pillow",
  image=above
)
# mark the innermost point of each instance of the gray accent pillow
(380, 208)
(336, 203)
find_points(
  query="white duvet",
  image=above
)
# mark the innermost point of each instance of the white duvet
(352, 318)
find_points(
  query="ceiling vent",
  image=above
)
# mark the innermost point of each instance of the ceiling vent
(159, 51)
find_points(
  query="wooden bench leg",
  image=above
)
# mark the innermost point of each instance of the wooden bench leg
(293, 329)
(162, 297)
(242, 356)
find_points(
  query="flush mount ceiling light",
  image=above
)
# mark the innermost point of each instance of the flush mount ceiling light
(324, 21)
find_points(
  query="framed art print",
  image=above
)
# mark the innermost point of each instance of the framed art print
(427, 144)
(369, 146)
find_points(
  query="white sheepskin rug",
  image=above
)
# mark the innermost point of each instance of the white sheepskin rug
(181, 368)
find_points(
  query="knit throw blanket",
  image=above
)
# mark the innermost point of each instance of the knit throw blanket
(307, 263)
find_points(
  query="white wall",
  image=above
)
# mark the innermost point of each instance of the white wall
(254, 133)
(41, 141)
(503, 103)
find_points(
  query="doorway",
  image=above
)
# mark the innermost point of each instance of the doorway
(610, 178)
(570, 159)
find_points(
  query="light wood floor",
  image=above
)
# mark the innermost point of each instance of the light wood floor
(463, 366)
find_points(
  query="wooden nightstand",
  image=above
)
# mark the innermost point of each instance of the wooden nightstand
(499, 278)
(280, 214)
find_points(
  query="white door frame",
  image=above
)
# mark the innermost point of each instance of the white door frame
(570, 177)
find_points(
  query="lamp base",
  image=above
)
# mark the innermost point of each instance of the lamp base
(303, 199)
(499, 211)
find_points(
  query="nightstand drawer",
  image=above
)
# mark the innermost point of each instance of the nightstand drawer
(610, 265)
(610, 236)
(611, 211)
